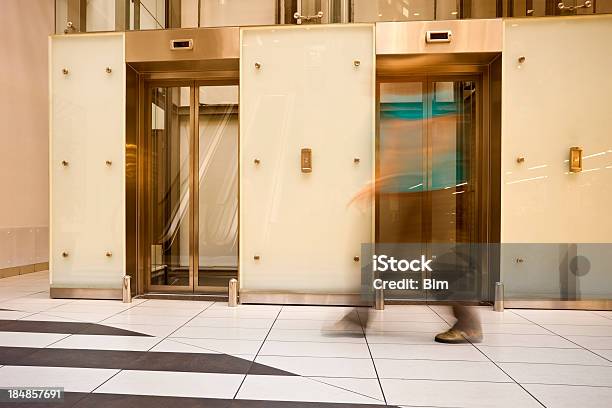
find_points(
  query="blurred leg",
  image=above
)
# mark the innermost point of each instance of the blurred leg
(467, 329)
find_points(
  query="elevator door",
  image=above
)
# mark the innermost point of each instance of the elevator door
(192, 189)
(428, 181)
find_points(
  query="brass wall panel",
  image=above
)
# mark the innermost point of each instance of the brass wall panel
(208, 44)
(278, 298)
(468, 36)
(85, 293)
(433, 63)
(131, 178)
(589, 304)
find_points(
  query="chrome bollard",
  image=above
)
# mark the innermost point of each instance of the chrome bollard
(127, 289)
(232, 293)
(498, 306)
(379, 299)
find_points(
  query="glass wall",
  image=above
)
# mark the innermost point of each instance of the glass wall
(120, 15)
(555, 221)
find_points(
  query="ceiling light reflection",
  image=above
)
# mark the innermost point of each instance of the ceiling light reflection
(527, 179)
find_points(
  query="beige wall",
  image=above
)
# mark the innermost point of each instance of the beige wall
(24, 204)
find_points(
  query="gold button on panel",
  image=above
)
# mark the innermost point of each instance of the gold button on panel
(306, 160)
(575, 159)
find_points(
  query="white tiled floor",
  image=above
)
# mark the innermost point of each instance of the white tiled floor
(72, 379)
(275, 388)
(529, 358)
(173, 384)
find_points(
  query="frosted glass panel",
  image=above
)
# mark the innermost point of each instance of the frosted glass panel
(87, 161)
(305, 227)
(557, 98)
(394, 10)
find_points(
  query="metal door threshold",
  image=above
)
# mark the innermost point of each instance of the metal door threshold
(184, 296)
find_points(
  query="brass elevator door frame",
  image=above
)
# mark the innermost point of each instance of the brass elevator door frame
(195, 284)
(478, 167)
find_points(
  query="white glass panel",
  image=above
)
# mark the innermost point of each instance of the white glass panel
(305, 227)
(557, 98)
(42, 244)
(8, 248)
(87, 129)
(393, 10)
(25, 246)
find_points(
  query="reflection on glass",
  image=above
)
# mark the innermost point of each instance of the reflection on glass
(401, 150)
(218, 186)
(392, 10)
(169, 195)
(147, 14)
(453, 141)
(215, 13)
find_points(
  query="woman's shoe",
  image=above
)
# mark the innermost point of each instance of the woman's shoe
(454, 336)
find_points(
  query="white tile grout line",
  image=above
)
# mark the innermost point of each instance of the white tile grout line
(256, 354)
(382, 391)
(573, 342)
(301, 376)
(175, 330)
(502, 370)
(111, 377)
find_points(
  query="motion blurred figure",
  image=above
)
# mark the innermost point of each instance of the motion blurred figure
(403, 187)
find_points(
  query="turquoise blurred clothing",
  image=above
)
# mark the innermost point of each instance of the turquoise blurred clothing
(448, 170)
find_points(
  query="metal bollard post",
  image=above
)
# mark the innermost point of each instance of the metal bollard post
(498, 306)
(379, 299)
(127, 289)
(232, 293)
